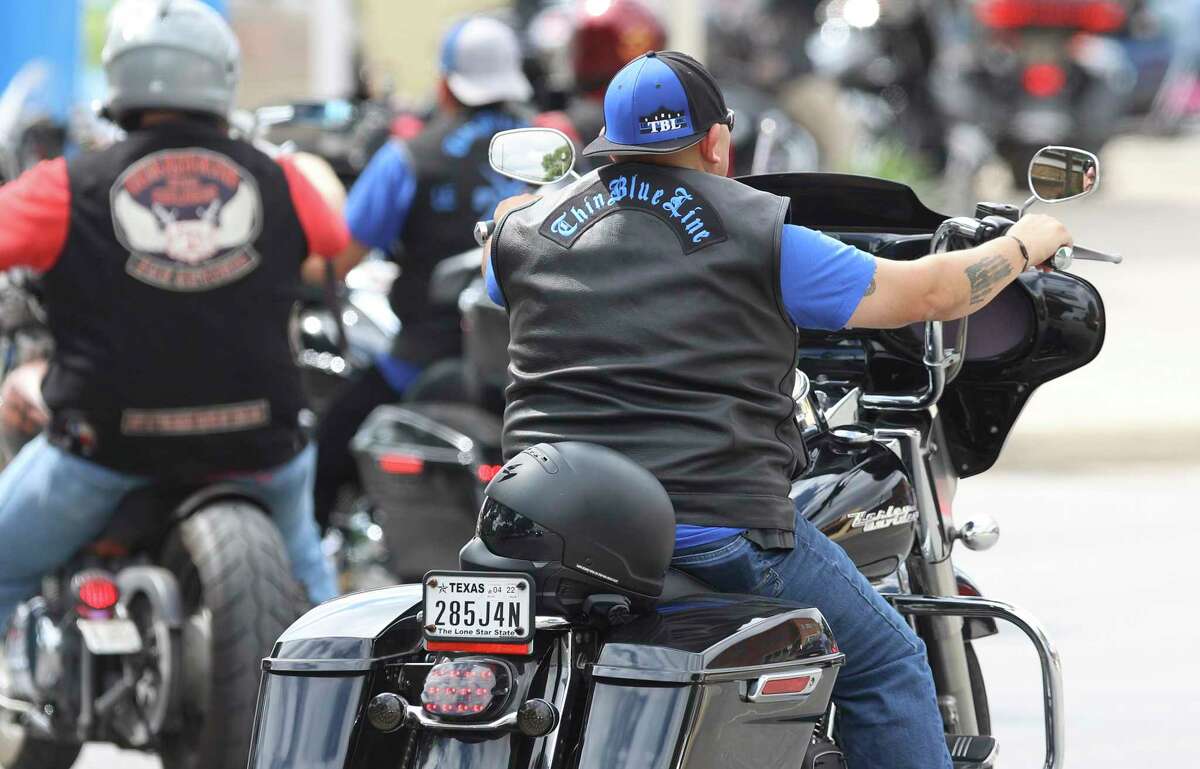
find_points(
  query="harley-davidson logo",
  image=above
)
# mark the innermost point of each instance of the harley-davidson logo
(896, 515)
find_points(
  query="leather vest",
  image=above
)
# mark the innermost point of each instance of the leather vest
(455, 189)
(645, 315)
(169, 307)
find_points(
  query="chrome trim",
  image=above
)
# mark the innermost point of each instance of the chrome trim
(936, 357)
(17, 706)
(979, 532)
(503, 723)
(32, 714)
(936, 361)
(1052, 686)
(548, 622)
(756, 695)
(845, 411)
(930, 535)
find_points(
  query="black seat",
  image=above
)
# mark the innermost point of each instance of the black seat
(679, 584)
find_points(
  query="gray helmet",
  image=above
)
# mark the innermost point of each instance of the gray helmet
(169, 54)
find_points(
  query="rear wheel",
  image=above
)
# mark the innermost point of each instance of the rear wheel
(239, 596)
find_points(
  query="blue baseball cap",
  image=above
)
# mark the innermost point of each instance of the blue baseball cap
(661, 102)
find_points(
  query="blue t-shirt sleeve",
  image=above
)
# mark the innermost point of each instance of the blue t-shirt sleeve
(822, 279)
(493, 287)
(380, 199)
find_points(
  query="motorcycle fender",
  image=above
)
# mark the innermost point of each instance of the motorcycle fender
(973, 627)
(157, 584)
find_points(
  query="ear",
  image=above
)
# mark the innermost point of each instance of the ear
(710, 146)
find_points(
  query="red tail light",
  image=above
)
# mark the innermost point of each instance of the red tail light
(1043, 80)
(1096, 16)
(487, 472)
(401, 464)
(97, 592)
(466, 688)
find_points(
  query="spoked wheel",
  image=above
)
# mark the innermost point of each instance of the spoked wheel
(238, 597)
(152, 676)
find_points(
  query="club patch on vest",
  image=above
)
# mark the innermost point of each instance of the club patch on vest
(189, 218)
(690, 216)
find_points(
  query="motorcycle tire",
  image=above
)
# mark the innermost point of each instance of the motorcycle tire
(983, 713)
(239, 596)
(21, 750)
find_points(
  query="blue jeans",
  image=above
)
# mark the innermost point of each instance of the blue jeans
(52, 503)
(887, 707)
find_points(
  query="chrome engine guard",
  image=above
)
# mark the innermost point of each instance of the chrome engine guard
(1052, 686)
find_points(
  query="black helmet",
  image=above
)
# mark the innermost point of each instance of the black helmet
(584, 520)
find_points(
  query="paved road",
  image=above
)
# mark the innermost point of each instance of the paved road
(1096, 493)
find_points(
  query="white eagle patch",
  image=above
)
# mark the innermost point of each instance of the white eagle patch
(189, 218)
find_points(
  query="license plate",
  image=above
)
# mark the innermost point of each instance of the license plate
(482, 607)
(110, 636)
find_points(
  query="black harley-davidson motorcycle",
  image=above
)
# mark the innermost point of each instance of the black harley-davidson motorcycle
(892, 419)
(150, 636)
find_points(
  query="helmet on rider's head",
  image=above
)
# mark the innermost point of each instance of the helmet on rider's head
(169, 55)
(609, 35)
(584, 520)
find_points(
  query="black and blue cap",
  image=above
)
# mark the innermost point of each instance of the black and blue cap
(661, 102)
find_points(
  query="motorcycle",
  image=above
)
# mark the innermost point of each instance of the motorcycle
(149, 637)
(1027, 74)
(432, 451)
(893, 419)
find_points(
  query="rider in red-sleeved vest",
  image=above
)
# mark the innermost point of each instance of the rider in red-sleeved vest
(169, 262)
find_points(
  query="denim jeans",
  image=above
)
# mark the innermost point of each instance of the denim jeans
(888, 715)
(52, 503)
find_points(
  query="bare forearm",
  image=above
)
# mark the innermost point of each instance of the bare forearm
(967, 280)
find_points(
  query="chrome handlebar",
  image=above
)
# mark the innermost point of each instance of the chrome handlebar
(935, 357)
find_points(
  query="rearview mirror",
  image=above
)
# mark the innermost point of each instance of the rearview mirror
(1063, 173)
(534, 155)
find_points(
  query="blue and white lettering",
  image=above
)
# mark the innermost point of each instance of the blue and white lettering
(560, 226)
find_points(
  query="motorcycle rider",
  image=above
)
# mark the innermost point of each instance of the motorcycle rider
(169, 264)
(426, 194)
(653, 308)
(607, 37)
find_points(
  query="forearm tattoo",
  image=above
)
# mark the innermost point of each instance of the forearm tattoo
(986, 274)
(870, 288)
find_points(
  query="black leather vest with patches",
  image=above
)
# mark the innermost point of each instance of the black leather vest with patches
(455, 189)
(645, 315)
(169, 307)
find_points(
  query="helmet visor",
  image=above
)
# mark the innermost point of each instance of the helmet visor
(509, 534)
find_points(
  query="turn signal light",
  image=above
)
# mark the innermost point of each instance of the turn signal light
(466, 689)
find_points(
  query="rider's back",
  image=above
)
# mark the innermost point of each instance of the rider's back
(169, 304)
(646, 316)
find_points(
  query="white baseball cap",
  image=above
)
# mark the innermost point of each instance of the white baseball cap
(481, 60)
